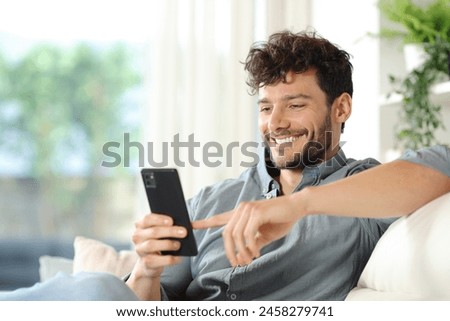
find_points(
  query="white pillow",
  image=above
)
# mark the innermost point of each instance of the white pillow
(95, 256)
(49, 266)
(412, 259)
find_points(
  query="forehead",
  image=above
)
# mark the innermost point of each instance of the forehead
(301, 85)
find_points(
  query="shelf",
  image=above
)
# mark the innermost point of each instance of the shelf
(440, 94)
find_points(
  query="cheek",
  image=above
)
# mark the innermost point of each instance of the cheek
(313, 121)
(262, 124)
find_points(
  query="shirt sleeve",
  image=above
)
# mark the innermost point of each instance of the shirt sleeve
(436, 157)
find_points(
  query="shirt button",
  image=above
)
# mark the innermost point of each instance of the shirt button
(233, 296)
(268, 196)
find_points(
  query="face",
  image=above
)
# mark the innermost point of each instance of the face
(296, 123)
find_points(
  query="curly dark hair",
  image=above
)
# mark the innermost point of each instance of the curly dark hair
(268, 62)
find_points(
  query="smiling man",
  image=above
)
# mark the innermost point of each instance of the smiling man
(304, 88)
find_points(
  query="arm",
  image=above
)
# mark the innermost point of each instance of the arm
(393, 189)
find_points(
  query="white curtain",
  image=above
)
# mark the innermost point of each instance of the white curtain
(196, 83)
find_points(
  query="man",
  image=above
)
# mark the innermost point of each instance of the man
(274, 246)
(275, 249)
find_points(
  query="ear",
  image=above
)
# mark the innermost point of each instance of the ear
(342, 108)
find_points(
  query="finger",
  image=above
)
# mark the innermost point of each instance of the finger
(214, 221)
(241, 261)
(153, 219)
(234, 241)
(255, 245)
(157, 246)
(252, 236)
(158, 232)
(228, 240)
(230, 249)
(260, 242)
(239, 234)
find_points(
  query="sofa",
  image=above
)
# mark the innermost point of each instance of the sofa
(410, 262)
(23, 262)
(19, 259)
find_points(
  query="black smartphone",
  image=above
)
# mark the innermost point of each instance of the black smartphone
(165, 196)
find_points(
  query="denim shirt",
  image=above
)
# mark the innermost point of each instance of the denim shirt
(321, 258)
(436, 157)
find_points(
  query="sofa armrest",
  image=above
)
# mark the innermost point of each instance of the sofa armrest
(412, 259)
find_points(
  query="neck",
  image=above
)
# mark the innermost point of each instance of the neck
(289, 179)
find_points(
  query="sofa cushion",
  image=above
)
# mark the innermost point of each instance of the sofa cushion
(49, 266)
(412, 259)
(95, 256)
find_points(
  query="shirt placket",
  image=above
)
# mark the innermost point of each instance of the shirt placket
(237, 284)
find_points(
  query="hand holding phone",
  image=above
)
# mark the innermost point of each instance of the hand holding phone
(165, 196)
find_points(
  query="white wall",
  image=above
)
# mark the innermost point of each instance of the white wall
(347, 23)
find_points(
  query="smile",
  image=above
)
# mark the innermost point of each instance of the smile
(290, 139)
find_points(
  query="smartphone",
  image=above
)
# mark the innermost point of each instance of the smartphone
(165, 196)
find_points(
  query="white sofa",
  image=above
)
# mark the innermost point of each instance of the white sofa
(412, 259)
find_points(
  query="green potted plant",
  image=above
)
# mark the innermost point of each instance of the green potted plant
(417, 23)
(428, 27)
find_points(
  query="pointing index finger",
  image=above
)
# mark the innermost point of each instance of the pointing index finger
(214, 221)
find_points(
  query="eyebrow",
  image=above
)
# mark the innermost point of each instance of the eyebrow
(285, 98)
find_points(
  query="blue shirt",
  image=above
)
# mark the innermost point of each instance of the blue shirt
(321, 258)
(436, 157)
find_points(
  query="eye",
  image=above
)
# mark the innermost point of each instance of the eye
(265, 109)
(296, 106)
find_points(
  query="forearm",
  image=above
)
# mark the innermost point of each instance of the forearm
(393, 189)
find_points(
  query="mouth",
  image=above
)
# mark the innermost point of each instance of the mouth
(274, 139)
(284, 140)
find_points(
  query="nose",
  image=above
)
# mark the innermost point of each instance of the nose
(278, 120)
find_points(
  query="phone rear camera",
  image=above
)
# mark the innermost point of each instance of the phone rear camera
(150, 181)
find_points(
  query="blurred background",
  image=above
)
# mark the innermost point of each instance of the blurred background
(75, 75)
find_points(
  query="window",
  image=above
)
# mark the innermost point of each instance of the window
(70, 82)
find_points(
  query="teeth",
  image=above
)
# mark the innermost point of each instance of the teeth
(286, 140)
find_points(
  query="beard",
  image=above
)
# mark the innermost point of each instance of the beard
(312, 153)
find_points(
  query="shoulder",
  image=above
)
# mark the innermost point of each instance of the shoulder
(436, 157)
(352, 167)
(356, 166)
